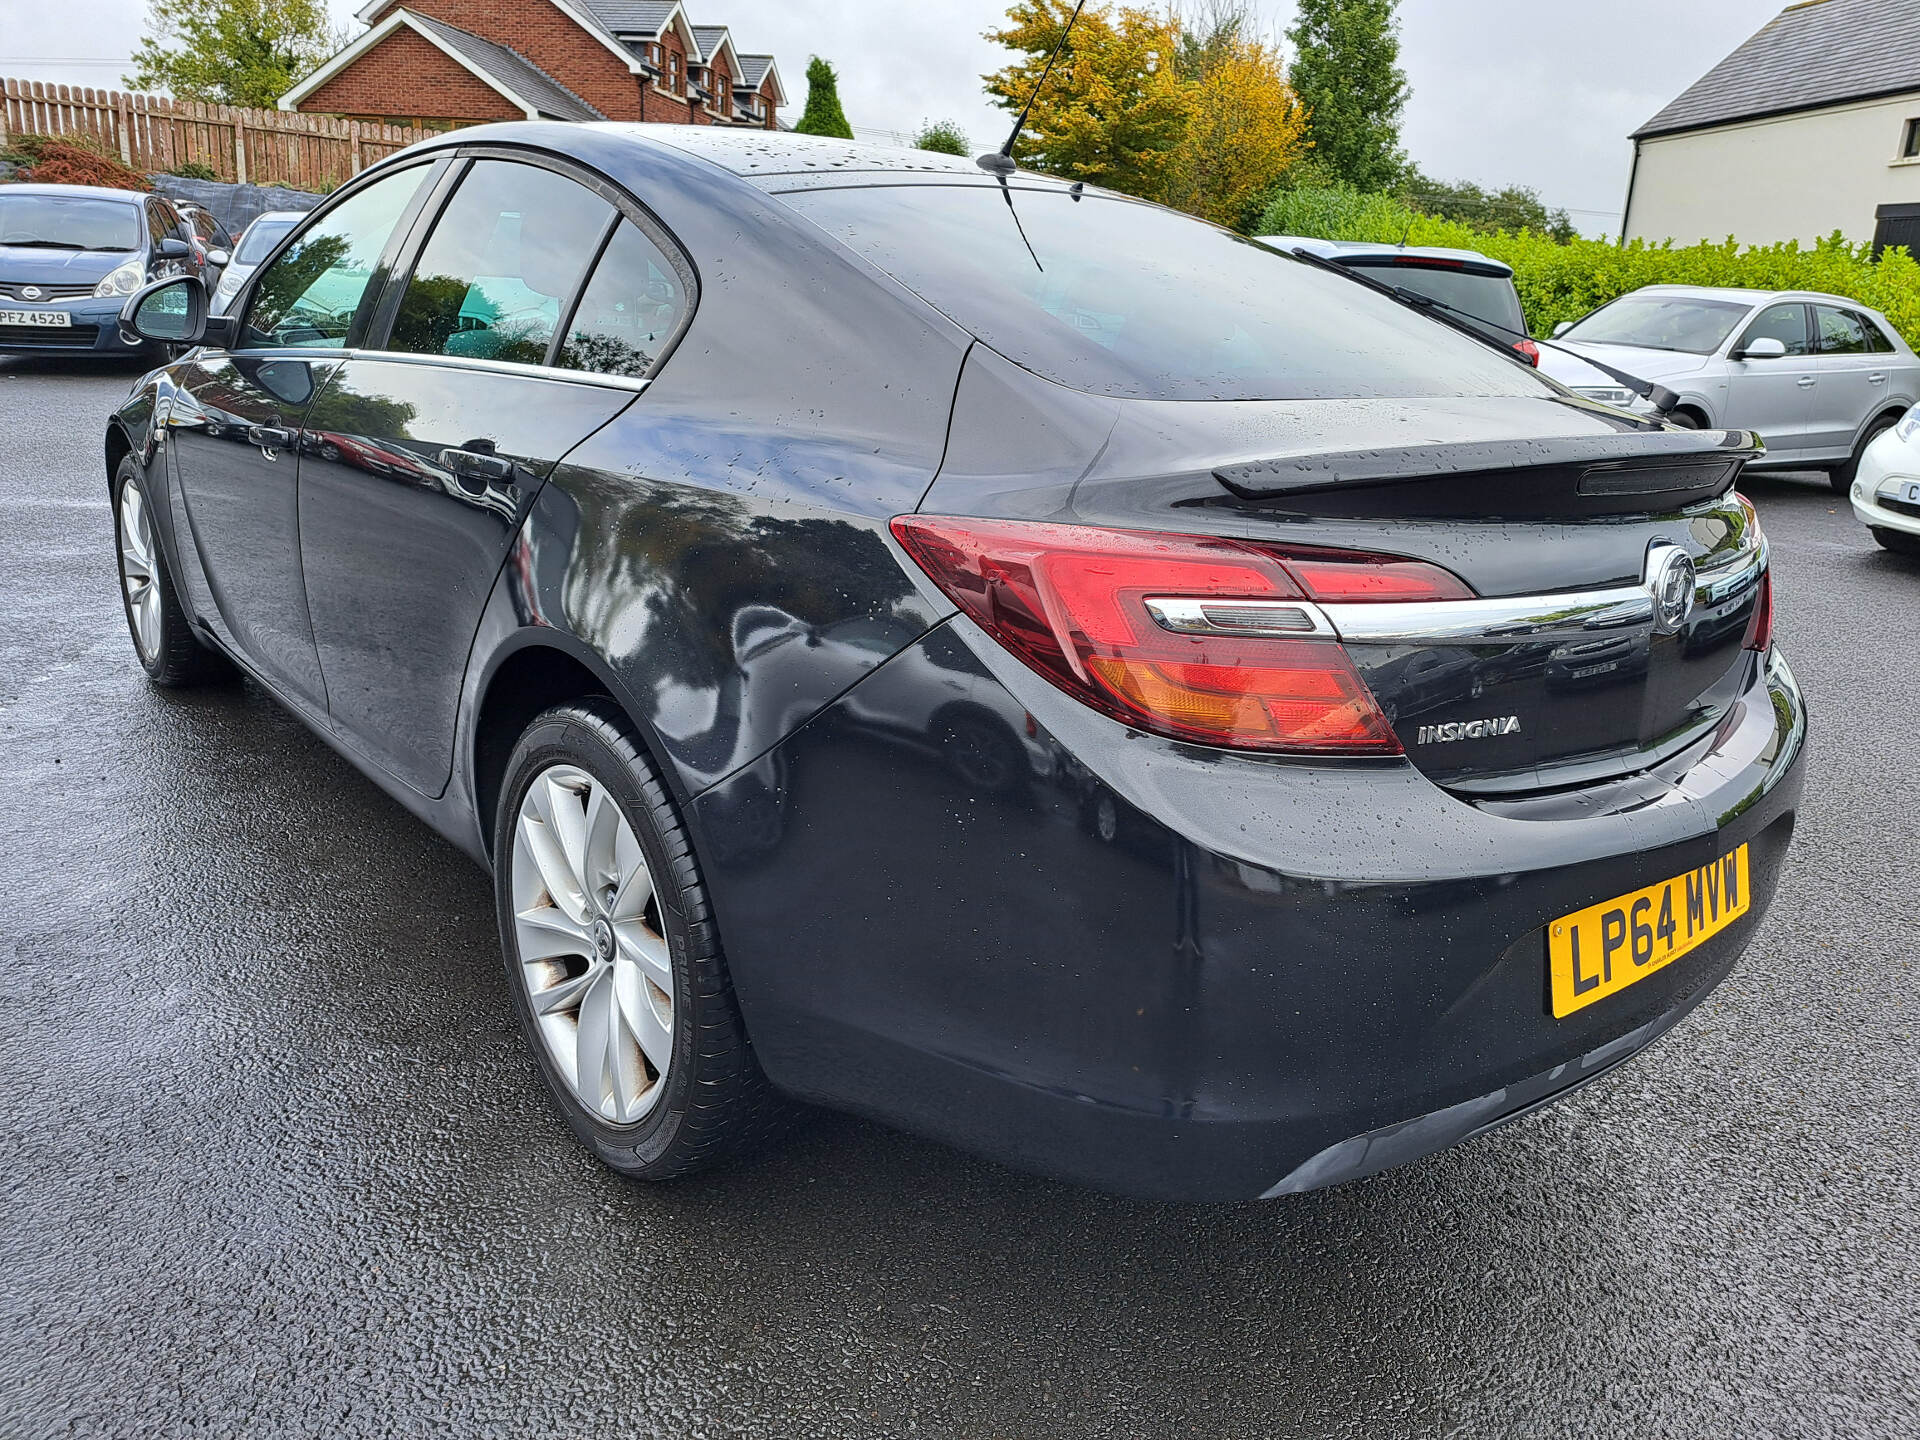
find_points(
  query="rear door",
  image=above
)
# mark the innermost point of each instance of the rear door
(1775, 397)
(233, 430)
(1853, 379)
(424, 453)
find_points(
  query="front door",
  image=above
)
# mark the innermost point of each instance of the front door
(1775, 397)
(420, 463)
(232, 428)
(235, 426)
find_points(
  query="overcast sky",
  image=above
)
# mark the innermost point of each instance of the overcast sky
(1504, 91)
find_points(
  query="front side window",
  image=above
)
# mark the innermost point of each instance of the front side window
(1786, 323)
(310, 294)
(627, 312)
(1841, 332)
(1129, 300)
(61, 222)
(505, 255)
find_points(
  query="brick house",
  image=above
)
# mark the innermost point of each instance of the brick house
(447, 63)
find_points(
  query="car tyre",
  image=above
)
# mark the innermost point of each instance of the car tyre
(1841, 476)
(1898, 541)
(626, 1002)
(163, 637)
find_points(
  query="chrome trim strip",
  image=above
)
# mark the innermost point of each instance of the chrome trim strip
(505, 367)
(1261, 619)
(1513, 618)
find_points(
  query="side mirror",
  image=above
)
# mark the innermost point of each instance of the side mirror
(1562, 328)
(171, 248)
(172, 311)
(1765, 348)
(219, 259)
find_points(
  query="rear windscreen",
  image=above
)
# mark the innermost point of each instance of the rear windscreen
(260, 239)
(1130, 300)
(1491, 298)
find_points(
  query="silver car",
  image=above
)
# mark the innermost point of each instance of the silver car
(1818, 376)
(256, 244)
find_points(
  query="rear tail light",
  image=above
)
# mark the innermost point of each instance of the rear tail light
(1187, 636)
(1760, 628)
(1529, 351)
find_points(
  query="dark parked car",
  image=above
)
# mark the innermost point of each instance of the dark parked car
(70, 255)
(939, 647)
(1476, 288)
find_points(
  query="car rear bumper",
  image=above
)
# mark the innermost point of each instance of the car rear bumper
(95, 331)
(1185, 974)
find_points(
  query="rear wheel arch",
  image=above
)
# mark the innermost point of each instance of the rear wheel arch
(528, 681)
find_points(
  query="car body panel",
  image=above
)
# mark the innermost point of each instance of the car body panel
(1889, 468)
(951, 895)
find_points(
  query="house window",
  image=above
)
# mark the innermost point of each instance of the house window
(674, 82)
(1910, 140)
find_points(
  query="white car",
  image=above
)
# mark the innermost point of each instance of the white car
(255, 245)
(1886, 487)
(1818, 376)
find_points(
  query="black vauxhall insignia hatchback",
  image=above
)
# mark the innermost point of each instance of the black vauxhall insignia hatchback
(996, 656)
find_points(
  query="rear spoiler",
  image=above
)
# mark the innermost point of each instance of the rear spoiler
(1585, 473)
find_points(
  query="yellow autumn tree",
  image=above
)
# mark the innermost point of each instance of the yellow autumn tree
(1115, 108)
(1198, 116)
(1245, 129)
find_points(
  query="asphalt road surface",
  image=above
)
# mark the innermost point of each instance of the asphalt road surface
(275, 1161)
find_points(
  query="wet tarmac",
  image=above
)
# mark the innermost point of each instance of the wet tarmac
(276, 1163)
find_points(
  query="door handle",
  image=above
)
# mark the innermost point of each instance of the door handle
(1878, 377)
(270, 437)
(474, 465)
(1805, 382)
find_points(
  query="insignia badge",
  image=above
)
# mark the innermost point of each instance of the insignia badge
(1671, 582)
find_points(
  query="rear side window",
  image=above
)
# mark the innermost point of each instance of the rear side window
(1786, 323)
(504, 256)
(632, 304)
(1841, 332)
(1129, 300)
(308, 296)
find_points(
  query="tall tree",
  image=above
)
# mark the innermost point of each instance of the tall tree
(1346, 71)
(1244, 128)
(1114, 109)
(823, 115)
(235, 52)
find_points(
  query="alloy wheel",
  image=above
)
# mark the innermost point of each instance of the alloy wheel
(138, 576)
(591, 950)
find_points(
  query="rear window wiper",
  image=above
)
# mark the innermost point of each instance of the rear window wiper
(1659, 396)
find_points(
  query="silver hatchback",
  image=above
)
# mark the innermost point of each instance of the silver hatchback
(1818, 376)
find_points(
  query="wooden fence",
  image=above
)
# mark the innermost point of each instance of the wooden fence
(154, 133)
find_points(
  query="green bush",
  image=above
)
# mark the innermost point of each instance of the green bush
(1564, 281)
(194, 170)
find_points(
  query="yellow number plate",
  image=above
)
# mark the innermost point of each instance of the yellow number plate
(1601, 950)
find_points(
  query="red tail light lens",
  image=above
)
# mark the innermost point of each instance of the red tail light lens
(1760, 628)
(1529, 351)
(1071, 601)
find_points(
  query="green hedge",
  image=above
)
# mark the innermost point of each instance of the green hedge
(1563, 282)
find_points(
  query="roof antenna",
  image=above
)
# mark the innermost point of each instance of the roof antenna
(1000, 162)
